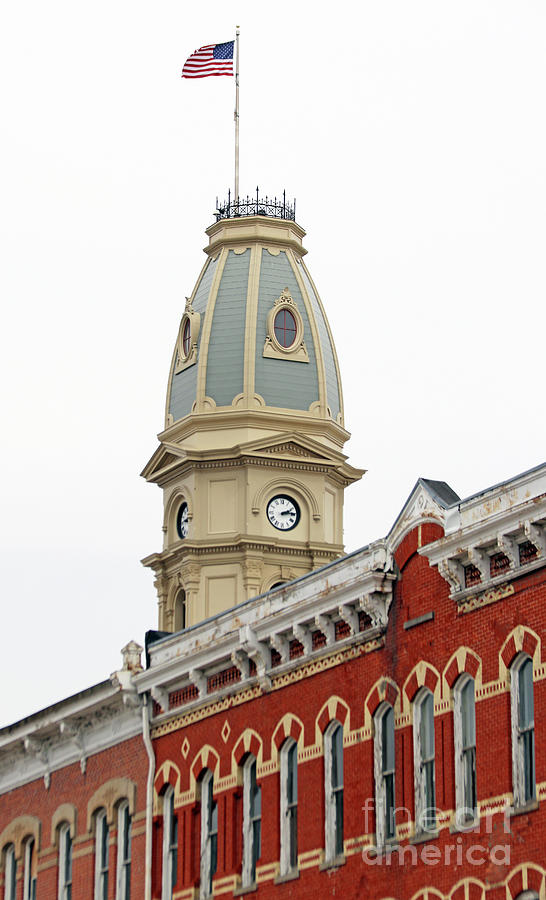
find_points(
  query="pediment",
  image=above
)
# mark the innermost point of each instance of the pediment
(292, 446)
(427, 502)
(164, 458)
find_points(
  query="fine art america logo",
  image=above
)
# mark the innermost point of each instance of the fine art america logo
(485, 848)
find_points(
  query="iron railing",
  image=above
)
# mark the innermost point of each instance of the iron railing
(256, 206)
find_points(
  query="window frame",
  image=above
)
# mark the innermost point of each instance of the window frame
(523, 755)
(466, 807)
(333, 791)
(289, 807)
(252, 820)
(10, 872)
(170, 845)
(123, 855)
(384, 777)
(29, 869)
(64, 882)
(102, 855)
(424, 767)
(209, 835)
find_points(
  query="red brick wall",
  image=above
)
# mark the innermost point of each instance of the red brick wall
(419, 590)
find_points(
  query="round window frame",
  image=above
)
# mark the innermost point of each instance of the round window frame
(285, 309)
(186, 323)
(272, 315)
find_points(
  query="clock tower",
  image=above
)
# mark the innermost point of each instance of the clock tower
(250, 460)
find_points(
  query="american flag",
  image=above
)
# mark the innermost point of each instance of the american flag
(214, 59)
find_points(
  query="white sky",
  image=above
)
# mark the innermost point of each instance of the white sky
(413, 136)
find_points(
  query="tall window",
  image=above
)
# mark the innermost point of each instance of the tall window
(209, 834)
(180, 611)
(465, 749)
(29, 872)
(102, 836)
(423, 755)
(333, 790)
(65, 863)
(384, 767)
(252, 821)
(9, 873)
(523, 730)
(170, 845)
(123, 866)
(289, 806)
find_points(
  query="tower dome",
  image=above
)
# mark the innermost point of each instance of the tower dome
(250, 460)
(254, 334)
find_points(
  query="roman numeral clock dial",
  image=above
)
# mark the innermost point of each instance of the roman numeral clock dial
(283, 512)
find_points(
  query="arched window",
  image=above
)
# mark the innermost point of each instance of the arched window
(252, 821)
(333, 791)
(384, 768)
(65, 863)
(423, 757)
(123, 862)
(523, 730)
(465, 750)
(102, 856)
(170, 845)
(29, 872)
(209, 834)
(180, 610)
(10, 872)
(289, 806)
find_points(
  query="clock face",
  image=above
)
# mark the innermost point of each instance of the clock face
(283, 512)
(182, 521)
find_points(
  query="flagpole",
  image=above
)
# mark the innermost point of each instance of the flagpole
(236, 198)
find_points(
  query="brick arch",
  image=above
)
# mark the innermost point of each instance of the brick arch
(207, 758)
(334, 708)
(249, 742)
(385, 690)
(422, 675)
(428, 893)
(17, 832)
(108, 796)
(468, 889)
(521, 640)
(289, 726)
(526, 877)
(167, 774)
(463, 660)
(66, 812)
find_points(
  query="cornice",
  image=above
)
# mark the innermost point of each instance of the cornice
(189, 550)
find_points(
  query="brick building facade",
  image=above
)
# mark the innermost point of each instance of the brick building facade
(307, 723)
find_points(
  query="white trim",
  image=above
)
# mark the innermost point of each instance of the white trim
(380, 783)
(10, 873)
(167, 857)
(101, 870)
(463, 812)
(29, 870)
(518, 751)
(419, 763)
(286, 807)
(207, 834)
(65, 862)
(331, 825)
(248, 875)
(123, 862)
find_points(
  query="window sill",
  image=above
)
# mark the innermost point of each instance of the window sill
(530, 806)
(290, 876)
(423, 836)
(470, 826)
(334, 863)
(376, 850)
(245, 889)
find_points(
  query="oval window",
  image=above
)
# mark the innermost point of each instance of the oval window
(285, 328)
(186, 339)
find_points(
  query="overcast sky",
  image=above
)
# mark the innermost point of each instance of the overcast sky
(413, 136)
